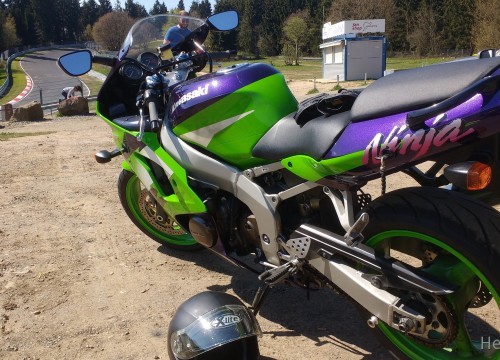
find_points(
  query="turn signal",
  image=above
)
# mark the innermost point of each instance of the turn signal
(471, 175)
(478, 176)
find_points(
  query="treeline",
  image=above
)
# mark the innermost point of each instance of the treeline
(36, 22)
(270, 27)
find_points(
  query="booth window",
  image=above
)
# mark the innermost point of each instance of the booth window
(329, 55)
(339, 54)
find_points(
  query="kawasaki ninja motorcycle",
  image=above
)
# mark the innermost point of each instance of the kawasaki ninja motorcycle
(229, 160)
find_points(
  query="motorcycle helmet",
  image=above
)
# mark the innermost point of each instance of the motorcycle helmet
(213, 325)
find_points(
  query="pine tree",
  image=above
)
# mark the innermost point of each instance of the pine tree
(90, 13)
(249, 23)
(458, 20)
(104, 7)
(158, 8)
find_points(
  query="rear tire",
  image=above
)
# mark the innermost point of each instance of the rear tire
(456, 238)
(140, 207)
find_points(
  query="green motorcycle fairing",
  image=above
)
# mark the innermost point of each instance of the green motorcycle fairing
(183, 200)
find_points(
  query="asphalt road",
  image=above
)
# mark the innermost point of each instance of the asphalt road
(47, 78)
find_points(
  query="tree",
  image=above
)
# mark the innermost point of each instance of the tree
(486, 19)
(120, 22)
(87, 33)
(201, 10)
(369, 9)
(158, 8)
(403, 19)
(220, 41)
(104, 7)
(135, 10)
(249, 24)
(295, 30)
(458, 21)
(274, 13)
(118, 6)
(90, 12)
(180, 5)
(8, 30)
(47, 22)
(22, 12)
(425, 38)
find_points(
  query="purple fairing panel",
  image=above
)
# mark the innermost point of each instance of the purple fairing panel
(373, 137)
(195, 95)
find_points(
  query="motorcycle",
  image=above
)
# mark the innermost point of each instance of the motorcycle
(230, 161)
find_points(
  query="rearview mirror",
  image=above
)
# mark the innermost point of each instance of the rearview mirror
(76, 63)
(488, 53)
(224, 21)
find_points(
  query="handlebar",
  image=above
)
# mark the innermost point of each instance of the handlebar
(104, 60)
(153, 117)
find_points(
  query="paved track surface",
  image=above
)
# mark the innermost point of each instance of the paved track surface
(47, 79)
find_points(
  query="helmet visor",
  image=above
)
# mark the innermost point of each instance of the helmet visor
(217, 327)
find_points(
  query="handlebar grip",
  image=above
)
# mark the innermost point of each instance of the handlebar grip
(153, 117)
(104, 60)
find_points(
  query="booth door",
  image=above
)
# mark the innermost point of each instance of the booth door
(364, 56)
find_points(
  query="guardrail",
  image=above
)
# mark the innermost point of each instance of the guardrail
(5, 112)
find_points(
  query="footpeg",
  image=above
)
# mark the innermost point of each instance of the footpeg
(272, 277)
(104, 156)
(277, 274)
(353, 236)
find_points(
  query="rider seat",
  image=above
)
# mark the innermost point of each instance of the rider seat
(400, 92)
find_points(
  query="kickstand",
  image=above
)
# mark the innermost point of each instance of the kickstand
(258, 300)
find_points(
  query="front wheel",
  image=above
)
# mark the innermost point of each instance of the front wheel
(453, 238)
(142, 209)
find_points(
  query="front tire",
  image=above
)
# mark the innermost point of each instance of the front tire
(141, 208)
(456, 239)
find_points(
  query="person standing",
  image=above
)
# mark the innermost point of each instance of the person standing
(176, 34)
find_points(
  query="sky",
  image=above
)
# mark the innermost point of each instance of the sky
(170, 4)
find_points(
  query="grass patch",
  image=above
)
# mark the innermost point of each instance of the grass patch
(310, 69)
(3, 72)
(7, 136)
(93, 83)
(19, 81)
(401, 63)
(102, 69)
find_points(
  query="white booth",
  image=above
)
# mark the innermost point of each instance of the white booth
(347, 55)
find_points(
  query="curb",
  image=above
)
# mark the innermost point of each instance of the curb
(26, 91)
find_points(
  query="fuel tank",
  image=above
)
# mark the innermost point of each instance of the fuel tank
(226, 112)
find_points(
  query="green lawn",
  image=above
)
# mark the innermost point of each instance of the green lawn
(19, 81)
(409, 63)
(310, 69)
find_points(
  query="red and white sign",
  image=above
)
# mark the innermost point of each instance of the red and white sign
(353, 27)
